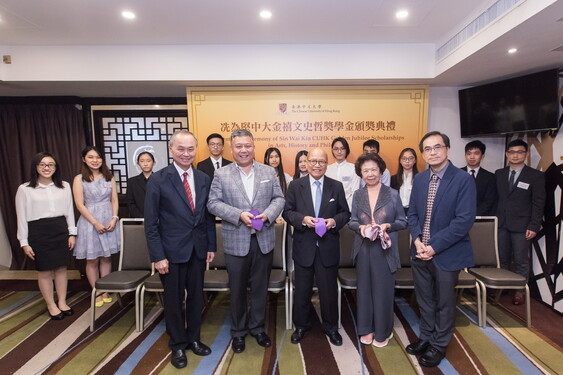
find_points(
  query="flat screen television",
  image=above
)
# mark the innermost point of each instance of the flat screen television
(522, 104)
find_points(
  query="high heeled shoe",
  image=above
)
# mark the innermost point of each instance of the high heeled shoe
(58, 316)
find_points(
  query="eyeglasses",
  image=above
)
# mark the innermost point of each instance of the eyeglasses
(321, 163)
(410, 158)
(436, 148)
(519, 152)
(47, 165)
(215, 145)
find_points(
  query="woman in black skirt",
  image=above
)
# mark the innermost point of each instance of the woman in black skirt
(46, 229)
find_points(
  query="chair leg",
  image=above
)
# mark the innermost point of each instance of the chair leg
(137, 307)
(339, 305)
(287, 321)
(93, 310)
(290, 304)
(479, 312)
(484, 305)
(528, 310)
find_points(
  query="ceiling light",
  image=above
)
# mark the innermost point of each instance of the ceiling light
(512, 50)
(128, 15)
(266, 14)
(402, 14)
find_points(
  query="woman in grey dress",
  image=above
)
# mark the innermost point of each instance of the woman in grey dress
(95, 196)
(377, 215)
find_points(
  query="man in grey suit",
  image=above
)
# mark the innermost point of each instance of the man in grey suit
(247, 196)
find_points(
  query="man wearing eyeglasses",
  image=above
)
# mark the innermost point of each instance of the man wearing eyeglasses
(316, 207)
(521, 201)
(215, 144)
(441, 213)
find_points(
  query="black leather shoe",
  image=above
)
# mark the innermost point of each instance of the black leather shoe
(431, 358)
(238, 344)
(298, 335)
(59, 316)
(68, 312)
(334, 337)
(199, 348)
(417, 347)
(262, 339)
(179, 359)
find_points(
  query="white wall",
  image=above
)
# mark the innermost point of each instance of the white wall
(443, 116)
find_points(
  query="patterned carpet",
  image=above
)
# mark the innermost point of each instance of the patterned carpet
(30, 343)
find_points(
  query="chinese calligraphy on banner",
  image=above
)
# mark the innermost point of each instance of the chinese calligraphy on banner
(301, 118)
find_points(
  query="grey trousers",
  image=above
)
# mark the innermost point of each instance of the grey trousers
(513, 246)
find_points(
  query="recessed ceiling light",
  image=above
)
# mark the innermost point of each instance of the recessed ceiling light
(402, 14)
(128, 15)
(266, 14)
(512, 50)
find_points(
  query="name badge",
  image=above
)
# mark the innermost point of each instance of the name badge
(523, 185)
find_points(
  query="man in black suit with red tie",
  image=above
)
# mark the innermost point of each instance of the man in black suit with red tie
(310, 199)
(521, 201)
(181, 238)
(215, 143)
(485, 181)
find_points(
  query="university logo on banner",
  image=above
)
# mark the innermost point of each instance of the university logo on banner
(283, 107)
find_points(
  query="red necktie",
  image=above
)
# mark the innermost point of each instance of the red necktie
(189, 192)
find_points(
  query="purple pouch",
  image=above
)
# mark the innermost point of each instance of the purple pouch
(257, 223)
(320, 227)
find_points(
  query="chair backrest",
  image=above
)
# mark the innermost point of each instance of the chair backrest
(280, 248)
(219, 260)
(404, 244)
(134, 253)
(347, 237)
(484, 240)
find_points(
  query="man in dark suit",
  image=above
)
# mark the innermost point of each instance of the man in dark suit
(441, 213)
(310, 199)
(521, 201)
(181, 238)
(215, 143)
(484, 180)
(237, 192)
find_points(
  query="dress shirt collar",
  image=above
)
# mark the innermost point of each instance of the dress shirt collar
(441, 172)
(312, 181)
(181, 171)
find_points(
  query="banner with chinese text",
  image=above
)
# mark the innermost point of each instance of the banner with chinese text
(302, 118)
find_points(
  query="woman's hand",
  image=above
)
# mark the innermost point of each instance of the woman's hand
(385, 227)
(111, 226)
(71, 242)
(29, 252)
(100, 227)
(362, 230)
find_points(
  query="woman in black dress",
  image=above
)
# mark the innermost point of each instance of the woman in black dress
(47, 230)
(137, 185)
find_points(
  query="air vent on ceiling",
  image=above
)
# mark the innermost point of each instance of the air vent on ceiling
(495, 11)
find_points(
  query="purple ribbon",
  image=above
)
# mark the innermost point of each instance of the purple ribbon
(256, 223)
(320, 227)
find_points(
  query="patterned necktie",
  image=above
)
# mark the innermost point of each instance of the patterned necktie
(318, 198)
(511, 180)
(431, 195)
(473, 173)
(189, 192)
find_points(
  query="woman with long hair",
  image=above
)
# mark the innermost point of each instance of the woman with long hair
(46, 229)
(273, 158)
(301, 164)
(95, 196)
(402, 181)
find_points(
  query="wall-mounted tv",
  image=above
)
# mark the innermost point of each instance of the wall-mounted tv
(522, 104)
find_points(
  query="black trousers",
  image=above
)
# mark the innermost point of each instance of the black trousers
(180, 277)
(248, 307)
(328, 294)
(436, 297)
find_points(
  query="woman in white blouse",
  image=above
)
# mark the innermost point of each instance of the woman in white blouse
(46, 229)
(402, 181)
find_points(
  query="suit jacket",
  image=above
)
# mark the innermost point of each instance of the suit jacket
(207, 166)
(388, 209)
(135, 197)
(299, 203)
(453, 215)
(228, 200)
(522, 208)
(486, 192)
(172, 230)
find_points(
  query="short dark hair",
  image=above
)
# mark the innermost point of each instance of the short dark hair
(445, 139)
(367, 157)
(371, 143)
(476, 144)
(516, 143)
(215, 135)
(344, 144)
(145, 153)
(56, 177)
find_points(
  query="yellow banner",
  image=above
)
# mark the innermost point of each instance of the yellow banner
(302, 118)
